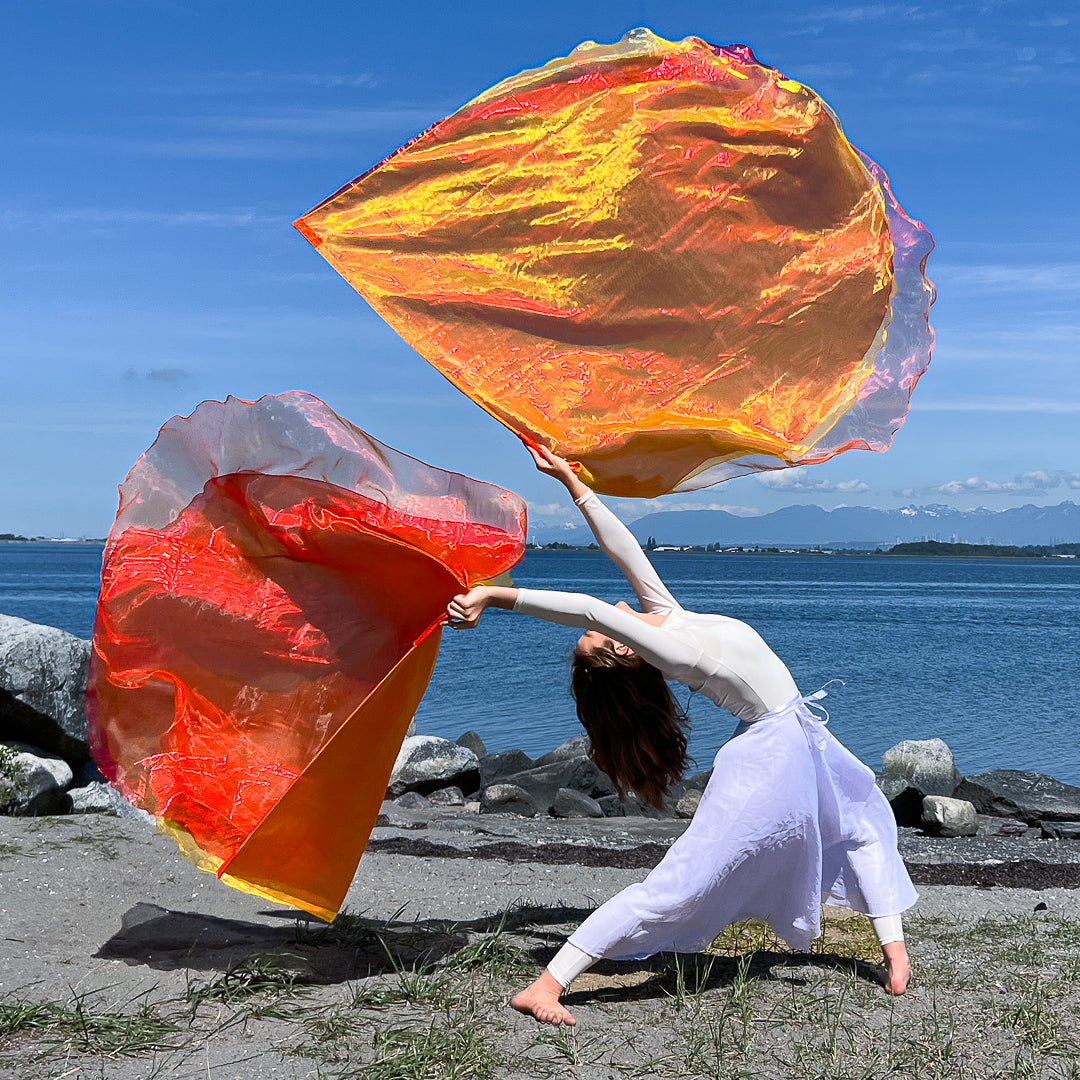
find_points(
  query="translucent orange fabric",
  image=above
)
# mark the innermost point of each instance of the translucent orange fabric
(271, 599)
(662, 259)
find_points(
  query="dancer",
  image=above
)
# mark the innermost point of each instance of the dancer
(789, 816)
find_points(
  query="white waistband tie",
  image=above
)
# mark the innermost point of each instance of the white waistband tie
(808, 703)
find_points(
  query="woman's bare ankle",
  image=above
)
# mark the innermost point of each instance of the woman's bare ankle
(897, 967)
(540, 1000)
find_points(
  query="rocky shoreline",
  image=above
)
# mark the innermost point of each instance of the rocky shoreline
(45, 768)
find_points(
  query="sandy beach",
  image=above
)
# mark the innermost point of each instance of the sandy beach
(121, 960)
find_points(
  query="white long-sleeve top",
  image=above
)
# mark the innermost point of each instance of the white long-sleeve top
(723, 658)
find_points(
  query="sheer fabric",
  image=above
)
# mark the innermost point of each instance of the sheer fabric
(662, 259)
(271, 601)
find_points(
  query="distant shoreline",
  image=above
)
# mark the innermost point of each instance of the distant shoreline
(933, 549)
(928, 549)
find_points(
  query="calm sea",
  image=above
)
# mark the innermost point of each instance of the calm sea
(983, 653)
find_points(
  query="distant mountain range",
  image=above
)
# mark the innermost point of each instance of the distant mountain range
(848, 526)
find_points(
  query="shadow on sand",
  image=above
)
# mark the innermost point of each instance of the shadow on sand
(353, 947)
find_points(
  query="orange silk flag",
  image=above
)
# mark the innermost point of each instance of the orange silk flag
(271, 603)
(662, 259)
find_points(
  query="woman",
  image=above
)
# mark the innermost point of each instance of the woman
(789, 815)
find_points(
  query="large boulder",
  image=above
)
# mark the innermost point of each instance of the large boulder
(543, 782)
(942, 816)
(502, 763)
(575, 747)
(1031, 797)
(913, 769)
(33, 782)
(426, 763)
(472, 741)
(42, 684)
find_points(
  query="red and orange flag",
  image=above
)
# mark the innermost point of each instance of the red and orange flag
(271, 602)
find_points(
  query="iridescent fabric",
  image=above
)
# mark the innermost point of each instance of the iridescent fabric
(271, 603)
(662, 259)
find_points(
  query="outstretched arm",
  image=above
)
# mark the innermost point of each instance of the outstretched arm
(614, 538)
(678, 660)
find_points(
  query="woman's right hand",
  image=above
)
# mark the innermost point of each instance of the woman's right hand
(464, 611)
(551, 464)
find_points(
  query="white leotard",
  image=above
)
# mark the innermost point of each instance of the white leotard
(721, 657)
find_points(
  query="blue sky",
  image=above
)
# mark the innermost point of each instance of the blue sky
(155, 154)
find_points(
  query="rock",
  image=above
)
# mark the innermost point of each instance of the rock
(942, 816)
(507, 799)
(698, 782)
(544, 781)
(687, 806)
(426, 763)
(37, 783)
(471, 741)
(390, 819)
(504, 763)
(410, 731)
(927, 764)
(996, 826)
(632, 806)
(576, 747)
(95, 798)
(42, 683)
(412, 800)
(447, 796)
(1031, 797)
(1060, 830)
(913, 769)
(472, 806)
(570, 804)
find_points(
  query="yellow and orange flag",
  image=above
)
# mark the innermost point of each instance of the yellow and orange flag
(662, 259)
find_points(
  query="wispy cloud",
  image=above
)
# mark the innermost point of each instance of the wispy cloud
(307, 121)
(171, 374)
(1005, 405)
(803, 480)
(1033, 482)
(631, 511)
(863, 13)
(1014, 277)
(217, 83)
(104, 217)
(270, 135)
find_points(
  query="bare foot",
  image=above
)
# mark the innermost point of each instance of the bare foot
(897, 967)
(541, 1001)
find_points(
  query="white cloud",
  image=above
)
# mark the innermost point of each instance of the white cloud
(106, 216)
(862, 13)
(1015, 405)
(803, 480)
(631, 510)
(1033, 482)
(1053, 277)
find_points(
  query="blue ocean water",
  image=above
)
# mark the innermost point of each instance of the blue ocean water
(984, 653)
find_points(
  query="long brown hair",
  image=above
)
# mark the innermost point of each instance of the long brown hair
(636, 728)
